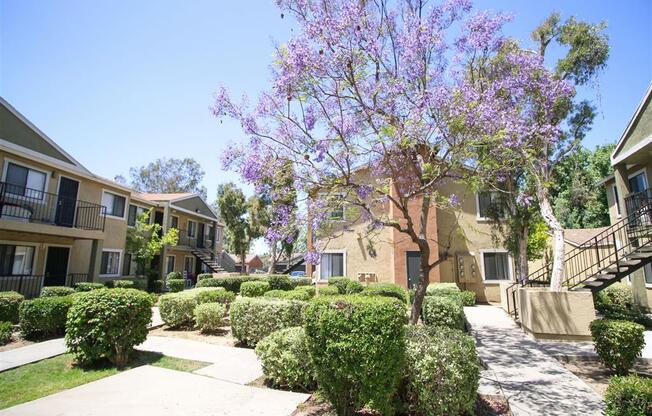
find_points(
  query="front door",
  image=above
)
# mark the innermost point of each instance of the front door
(56, 266)
(200, 235)
(158, 219)
(413, 260)
(66, 202)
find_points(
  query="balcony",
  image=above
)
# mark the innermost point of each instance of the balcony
(636, 200)
(33, 206)
(30, 285)
(193, 242)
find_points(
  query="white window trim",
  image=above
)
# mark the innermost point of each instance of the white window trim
(477, 208)
(188, 228)
(636, 173)
(120, 260)
(127, 202)
(614, 191)
(510, 262)
(137, 206)
(333, 251)
(167, 262)
(5, 168)
(36, 251)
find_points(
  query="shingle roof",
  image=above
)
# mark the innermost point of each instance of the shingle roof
(164, 197)
(579, 236)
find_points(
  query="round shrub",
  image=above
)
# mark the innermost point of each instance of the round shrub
(253, 289)
(468, 298)
(357, 346)
(42, 317)
(108, 324)
(441, 373)
(443, 312)
(203, 276)
(308, 289)
(213, 295)
(618, 343)
(619, 294)
(230, 283)
(437, 289)
(386, 289)
(327, 291)
(9, 303)
(301, 281)
(176, 285)
(140, 284)
(158, 285)
(174, 275)
(6, 329)
(631, 396)
(210, 316)
(280, 282)
(285, 359)
(339, 282)
(177, 309)
(210, 282)
(88, 286)
(48, 291)
(296, 294)
(252, 319)
(353, 287)
(123, 284)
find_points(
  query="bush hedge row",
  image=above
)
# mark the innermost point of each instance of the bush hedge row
(47, 291)
(6, 329)
(42, 317)
(252, 319)
(443, 311)
(296, 294)
(210, 316)
(9, 304)
(618, 343)
(630, 396)
(88, 286)
(178, 309)
(386, 289)
(254, 289)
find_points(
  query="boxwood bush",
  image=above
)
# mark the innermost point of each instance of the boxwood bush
(176, 285)
(327, 291)
(357, 346)
(230, 283)
(339, 282)
(280, 282)
(202, 276)
(211, 295)
(309, 289)
(296, 294)
(253, 289)
(285, 359)
(158, 285)
(9, 303)
(441, 373)
(630, 396)
(177, 309)
(301, 281)
(386, 289)
(353, 287)
(210, 316)
(252, 319)
(467, 297)
(43, 317)
(88, 286)
(47, 291)
(618, 343)
(108, 324)
(436, 289)
(442, 311)
(123, 284)
(6, 329)
(174, 275)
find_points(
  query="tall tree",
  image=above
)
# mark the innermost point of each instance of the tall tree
(168, 176)
(372, 104)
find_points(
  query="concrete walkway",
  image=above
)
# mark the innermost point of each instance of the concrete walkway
(157, 391)
(31, 353)
(533, 381)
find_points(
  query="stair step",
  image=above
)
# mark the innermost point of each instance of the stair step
(628, 263)
(640, 255)
(605, 277)
(594, 283)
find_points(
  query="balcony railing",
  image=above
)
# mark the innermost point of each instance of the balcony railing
(637, 200)
(31, 205)
(30, 285)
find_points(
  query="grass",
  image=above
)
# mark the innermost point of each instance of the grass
(32, 381)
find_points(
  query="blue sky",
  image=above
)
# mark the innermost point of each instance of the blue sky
(121, 83)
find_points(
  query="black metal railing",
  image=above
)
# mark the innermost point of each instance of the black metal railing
(602, 252)
(27, 285)
(638, 200)
(73, 278)
(186, 240)
(31, 205)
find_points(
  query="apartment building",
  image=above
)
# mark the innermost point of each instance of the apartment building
(61, 224)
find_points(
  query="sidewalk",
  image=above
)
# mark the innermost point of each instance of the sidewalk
(517, 366)
(31, 353)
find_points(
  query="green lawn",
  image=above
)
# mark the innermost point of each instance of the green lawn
(46, 377)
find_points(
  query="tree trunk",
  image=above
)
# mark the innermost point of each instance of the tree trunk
(420, 293)
(272, 261)
(522, 270)
(424, 273)
(243, 268)
(557, 276)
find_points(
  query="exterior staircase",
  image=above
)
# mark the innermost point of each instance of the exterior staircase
(605, 259)
(208, 258)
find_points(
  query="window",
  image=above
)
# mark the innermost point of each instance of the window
(188, 265)
(169, 267)
(110, 263)
(16, 260)
(192, 228)
(25, 181)
(637, 182)
(496, 265)
(174, 222)
(489, 205)
(617, 201)
(126, 266)
(210, 232)
(115, 204)
(134, 212)
(331, 264)
(218, 233)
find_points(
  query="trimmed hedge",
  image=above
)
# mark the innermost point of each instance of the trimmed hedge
(309, 289)
(301, 281)
(123, 284)
(438, 289)
(357, 346)
(252, 319)
(353, 287)
(174, 275)
(88, 286)
(6, 329)
(230, 283)
(441, 373)
(286, 361)
(42, 317)
(158, 285)
(47, 291)
(618, 343)
(442, 311)
(617, 303)
(108, 324)
(296, 294)
(9, 303)
(280, 282)
(203, 276)
(177, 309)
(631, 396)
(176, 285)
(211, 295)
(339, 282)
(386, 289)
(254, 289)
(467, 297)
(209, 316)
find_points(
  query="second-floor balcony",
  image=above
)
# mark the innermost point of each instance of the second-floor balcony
(31, 205)
(637, 200)
(193, 241)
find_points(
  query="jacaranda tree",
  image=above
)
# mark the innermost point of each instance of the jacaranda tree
(375, 106)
